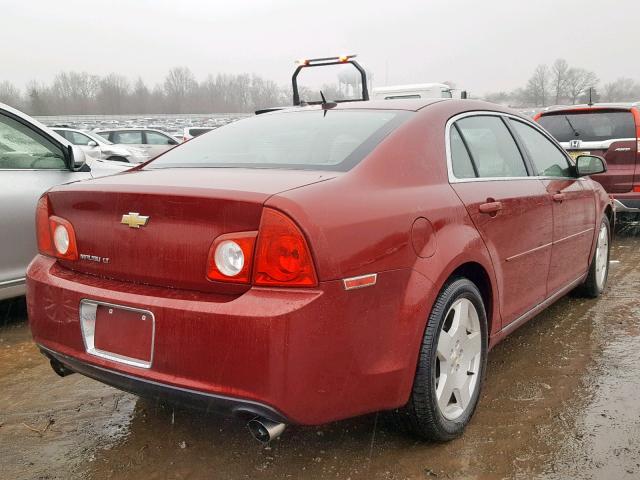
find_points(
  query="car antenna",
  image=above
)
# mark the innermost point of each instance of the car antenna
(590, 97)
(326, 105)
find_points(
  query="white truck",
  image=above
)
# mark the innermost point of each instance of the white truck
(416, 90)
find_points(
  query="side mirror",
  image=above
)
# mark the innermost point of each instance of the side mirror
(77, 158)
(590, 165)
(92, 143)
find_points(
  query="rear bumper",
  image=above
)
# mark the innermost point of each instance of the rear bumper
(309, 356)
(182, 396)
(627, 202)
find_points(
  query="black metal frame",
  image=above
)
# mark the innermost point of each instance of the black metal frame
(323, 62)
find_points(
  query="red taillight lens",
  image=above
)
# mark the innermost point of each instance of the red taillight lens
(230, 257)
(282, 256)
(56, 237)
(636, 188)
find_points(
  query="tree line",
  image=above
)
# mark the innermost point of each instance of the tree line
(562, 84)
(80, 93)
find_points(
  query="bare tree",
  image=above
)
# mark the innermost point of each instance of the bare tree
(559, 76)
(537, 89)
(10, 94)
(621, 90)
(179, 84)
(74, 91)
(578, 81)
(113, 93)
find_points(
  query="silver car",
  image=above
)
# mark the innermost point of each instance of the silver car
(153, 142)
(96, 146)
(33, 158)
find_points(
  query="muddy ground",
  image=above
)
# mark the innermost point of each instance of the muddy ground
(561, 400)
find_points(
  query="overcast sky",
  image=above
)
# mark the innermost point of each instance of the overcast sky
(481, 45)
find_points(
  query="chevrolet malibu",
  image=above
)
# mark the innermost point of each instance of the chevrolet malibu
(318, 263)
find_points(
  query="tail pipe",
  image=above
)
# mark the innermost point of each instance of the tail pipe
(265, 430)
(59, 368)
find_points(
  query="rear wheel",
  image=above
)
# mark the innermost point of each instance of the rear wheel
(599, 269)
(451, 365)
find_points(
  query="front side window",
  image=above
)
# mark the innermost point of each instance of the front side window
(491, 147)
(128, 138)
(23, 148)
(154, 138)
(307, 140)
(547, 159)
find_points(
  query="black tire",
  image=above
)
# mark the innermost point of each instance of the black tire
(118, 159)
(591, 288)
(422, 416)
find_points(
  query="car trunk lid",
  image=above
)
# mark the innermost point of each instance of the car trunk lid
(186, 210)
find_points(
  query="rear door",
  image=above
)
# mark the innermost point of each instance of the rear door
(573, 206)
(511, 209)
(610, 133)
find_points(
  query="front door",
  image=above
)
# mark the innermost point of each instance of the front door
(511, 210)
(573, 206)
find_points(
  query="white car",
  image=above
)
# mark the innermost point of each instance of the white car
(33, 159)
(96, 146)
(153, 142)
(416, 90)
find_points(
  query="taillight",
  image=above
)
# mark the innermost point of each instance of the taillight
(230, 257)
(282, 255)
(56, 237)
(636, 188)
(276, 255)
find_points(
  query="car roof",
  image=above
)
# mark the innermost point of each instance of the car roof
(410, 86)
(595, 106)
(120, 129)
(409, 104)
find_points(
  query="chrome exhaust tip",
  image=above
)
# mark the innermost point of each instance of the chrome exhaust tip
(265, 430)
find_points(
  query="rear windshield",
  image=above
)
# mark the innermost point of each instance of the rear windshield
(589, 126)
(308, 140)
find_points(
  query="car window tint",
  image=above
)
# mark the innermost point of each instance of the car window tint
(492, 147)
(547, 159)
(23, 148)
(460, 159)
(154, 138)
(130, 138)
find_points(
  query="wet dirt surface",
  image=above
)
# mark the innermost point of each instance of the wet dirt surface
(561, 401)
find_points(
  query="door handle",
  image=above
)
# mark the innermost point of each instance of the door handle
(492, 208)
(559, 197)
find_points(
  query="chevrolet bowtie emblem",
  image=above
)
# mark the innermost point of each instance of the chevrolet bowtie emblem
(134, 220)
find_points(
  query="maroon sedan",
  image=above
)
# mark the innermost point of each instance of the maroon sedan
(318, 263)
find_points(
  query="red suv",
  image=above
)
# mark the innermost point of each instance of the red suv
(609, 130)
(319, 263)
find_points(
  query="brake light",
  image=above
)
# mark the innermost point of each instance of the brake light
(636, 188)
(230, 257)
(537, 116)
(282, 256)
(56, 237)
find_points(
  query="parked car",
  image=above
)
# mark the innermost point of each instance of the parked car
(192, 132)
(610, 130)
(319, 263)
(33, 158)
(96, 146)
(152, 142)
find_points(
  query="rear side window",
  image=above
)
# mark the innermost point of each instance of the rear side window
(130, 138)
(547, 159)
(460, 159)
(308, 140)
(589, 126)
(491, 146)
